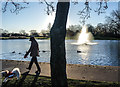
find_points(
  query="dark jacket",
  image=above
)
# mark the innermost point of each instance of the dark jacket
(34, 49)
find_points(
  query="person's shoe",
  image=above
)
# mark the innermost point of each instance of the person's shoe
(28, 68)
(37, 72)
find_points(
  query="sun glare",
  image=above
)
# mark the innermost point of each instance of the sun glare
(50, 20)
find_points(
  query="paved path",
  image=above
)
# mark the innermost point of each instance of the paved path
(74, 71)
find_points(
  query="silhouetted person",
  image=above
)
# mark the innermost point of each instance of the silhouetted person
(34, 52)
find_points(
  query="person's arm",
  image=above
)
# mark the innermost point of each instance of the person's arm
(31, 47)
(38, 51)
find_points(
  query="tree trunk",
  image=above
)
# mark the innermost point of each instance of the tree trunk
(58, 54)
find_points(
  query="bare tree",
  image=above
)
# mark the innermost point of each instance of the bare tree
(113, 22)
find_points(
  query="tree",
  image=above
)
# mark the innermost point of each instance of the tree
(49, 27)
(4, 33)
(114, 22)
(58, 54)
(34, 33)
(75, 28)
(91, 28)
(22, 32)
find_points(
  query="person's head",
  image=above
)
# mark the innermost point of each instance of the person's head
(4, 73)
(32, 39)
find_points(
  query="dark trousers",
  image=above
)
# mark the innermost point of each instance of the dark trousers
(34, 59)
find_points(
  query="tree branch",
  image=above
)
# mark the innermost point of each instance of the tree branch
(85, 13)
(4, 8)
(102, 7)
(17, 6)
(50, 7)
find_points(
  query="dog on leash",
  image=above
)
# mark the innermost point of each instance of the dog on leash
(9, 75)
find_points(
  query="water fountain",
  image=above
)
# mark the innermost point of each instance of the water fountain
(85, 37)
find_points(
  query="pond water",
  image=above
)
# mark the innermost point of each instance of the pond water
(106, 52)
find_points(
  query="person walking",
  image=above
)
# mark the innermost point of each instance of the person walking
(34, 52)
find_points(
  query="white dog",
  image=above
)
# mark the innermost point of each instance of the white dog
(10, 75)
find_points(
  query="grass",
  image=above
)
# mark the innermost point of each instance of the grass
(28, 80)
(95, 38)
(105, 38)
(67, 38)
(6, 38)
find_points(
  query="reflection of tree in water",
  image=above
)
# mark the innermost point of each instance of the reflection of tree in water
(114, 53)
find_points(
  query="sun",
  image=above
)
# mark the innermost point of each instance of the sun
(50, 20)
(68, 22)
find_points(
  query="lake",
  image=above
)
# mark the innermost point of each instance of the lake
(106, 52)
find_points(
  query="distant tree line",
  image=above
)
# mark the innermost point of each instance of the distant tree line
(111, 27)
(22, 33)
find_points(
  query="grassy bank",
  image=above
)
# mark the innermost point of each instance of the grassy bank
(67, 38)
(105, 38)
(28, 80)
(7, 38)
(95, 38)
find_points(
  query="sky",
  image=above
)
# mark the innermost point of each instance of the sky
(34, 17)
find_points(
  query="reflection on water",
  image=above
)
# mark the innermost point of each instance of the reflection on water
(84, 53)
(106, 52)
